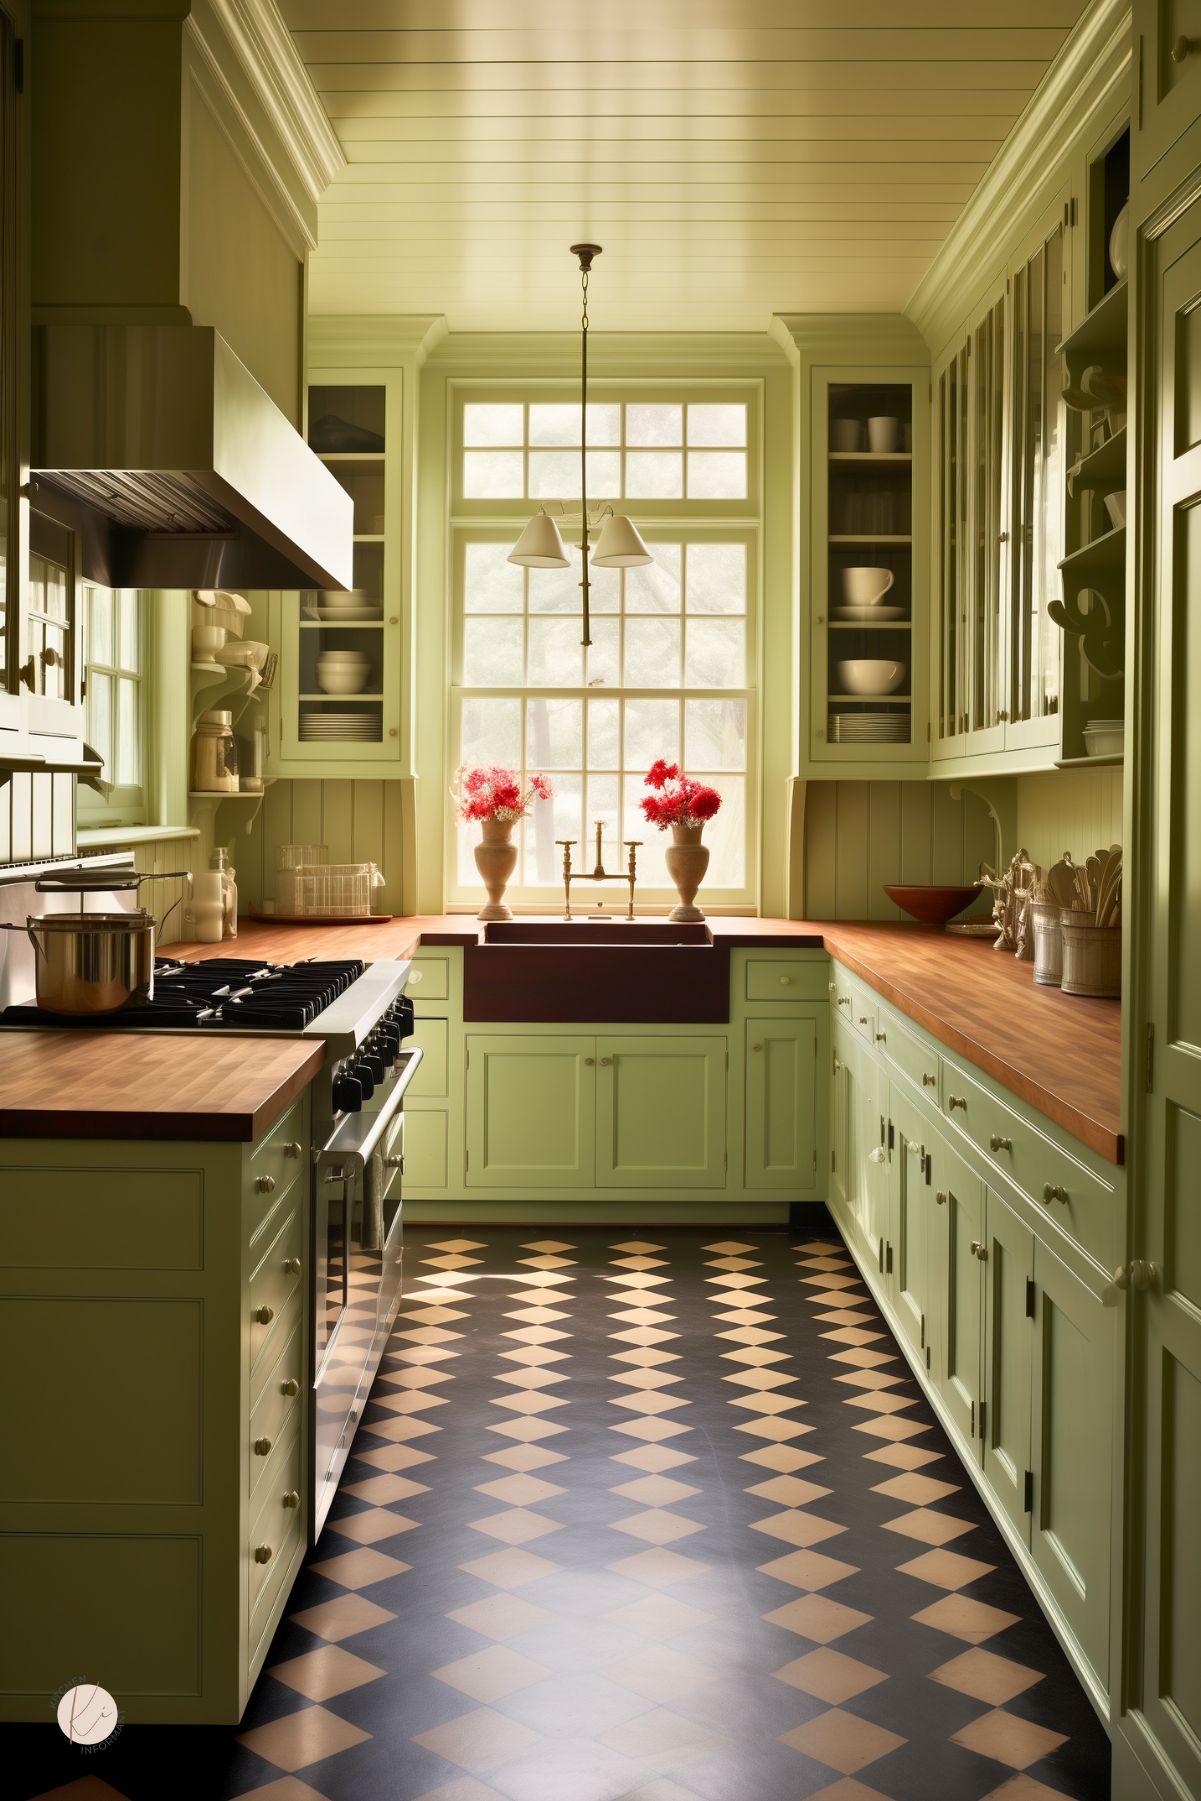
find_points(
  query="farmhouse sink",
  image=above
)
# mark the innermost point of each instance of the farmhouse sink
(598, 971)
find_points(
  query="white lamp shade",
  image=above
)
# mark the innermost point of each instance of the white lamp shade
(619, 545)
(540, 546)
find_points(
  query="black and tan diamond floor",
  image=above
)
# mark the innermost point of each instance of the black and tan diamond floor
(638, 1516)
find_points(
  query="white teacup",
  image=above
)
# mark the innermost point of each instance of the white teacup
(883, 434)
(866, 586)
(846, 434)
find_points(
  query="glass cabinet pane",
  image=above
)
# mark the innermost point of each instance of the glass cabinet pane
(988, 399)
(50, 611)
(1038, 475)
(8, 624)
(954, 559)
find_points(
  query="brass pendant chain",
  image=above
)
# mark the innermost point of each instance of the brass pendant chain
(586, 640)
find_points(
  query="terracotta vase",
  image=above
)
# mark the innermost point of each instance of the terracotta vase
(496, 859)
(687, 860)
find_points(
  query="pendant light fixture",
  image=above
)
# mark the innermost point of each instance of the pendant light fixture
(619, 545)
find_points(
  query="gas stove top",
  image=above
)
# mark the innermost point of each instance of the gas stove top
(224, 993)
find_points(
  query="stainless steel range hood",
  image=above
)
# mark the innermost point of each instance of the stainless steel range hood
(157, 444)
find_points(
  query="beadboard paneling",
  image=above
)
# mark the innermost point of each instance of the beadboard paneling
(358, 822)
(859, 835)
(1073, 810)
(37, 817)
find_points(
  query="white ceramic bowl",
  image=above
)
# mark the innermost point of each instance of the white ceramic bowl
(866, 586)
(339, 680)
(846, 434)
(351, 597)
(883, 434)
(1103, 741)
(1115, 506)
(243, 653)
(869, 675)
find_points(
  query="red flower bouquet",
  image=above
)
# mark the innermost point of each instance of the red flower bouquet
(496, 793)
(676, 799)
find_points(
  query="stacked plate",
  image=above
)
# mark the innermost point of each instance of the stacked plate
(348, 615)
(340, 728)
(849, 615)
(1104, 738)
(869, 728)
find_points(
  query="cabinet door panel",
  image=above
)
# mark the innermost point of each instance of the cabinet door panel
(781, 1103)
(911, 1202)
(1007, 1333)
(1164, 1410)
(1071, 1434)
(959, 1327)
(661, 1112)
(1169, 33)
(530, 1112)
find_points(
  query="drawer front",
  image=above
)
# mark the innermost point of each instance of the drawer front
(432, 1036)
(277, 1526)
(1062, 1188)
(275, 1163)
(908, 1054)
(429, 980)
(854, 1003)
(279, 1276)
(785, 979)
(281, 1398)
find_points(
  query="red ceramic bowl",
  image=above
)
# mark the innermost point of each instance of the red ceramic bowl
(932, 905)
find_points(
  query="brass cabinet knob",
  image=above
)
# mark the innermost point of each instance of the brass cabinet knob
(264, 1184)
(881, 1037)
(293, 1149)
(415, 976)
(756, 1047)
(291, 1499)
(844, 1000)
(393, 732)
(264, 1315)
(605, 1062)
(589, 1061)
(837, 1066)
(1180, 49)
(956, 1100)
(830, 986)
(915, 1149)
(1002, 716)
(997, 1143)
(786, 981)
(863, 1019)
(979, 1250)
(291, 1266)
(263, 1554)
(262, 1447)
(1053, 1191)
(290, 1388)
(929, 1081)
(940, 1199)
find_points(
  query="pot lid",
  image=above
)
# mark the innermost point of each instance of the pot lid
(135, 921)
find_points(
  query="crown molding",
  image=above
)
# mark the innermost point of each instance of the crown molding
(253, 70)
(849, 337)
(553, 355)
(1089, 77)
(371, 338)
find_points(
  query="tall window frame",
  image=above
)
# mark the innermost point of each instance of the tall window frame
(717, 730)
(116, 628)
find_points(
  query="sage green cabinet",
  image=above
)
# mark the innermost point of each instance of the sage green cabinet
(660, 1112)
(911, 1202)
(782, 1082)
(1157, 1292)
(1071, 1436)
(1167, 35)
(1005, 1428)
(956, 1238)
(858, 1178)
(531, 1111)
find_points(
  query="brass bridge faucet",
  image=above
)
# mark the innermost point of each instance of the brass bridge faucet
(600, 873)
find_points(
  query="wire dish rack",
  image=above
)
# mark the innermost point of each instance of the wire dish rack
(307, 887)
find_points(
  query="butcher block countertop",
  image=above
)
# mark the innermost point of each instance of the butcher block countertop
(1058, 1052)
(149, 1085)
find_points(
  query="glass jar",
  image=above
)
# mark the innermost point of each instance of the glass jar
(215, 754)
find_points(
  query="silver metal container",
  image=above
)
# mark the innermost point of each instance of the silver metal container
(89, 963)
(1092, 955)
(1048, 943)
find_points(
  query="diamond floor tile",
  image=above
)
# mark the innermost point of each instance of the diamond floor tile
(637, 1520)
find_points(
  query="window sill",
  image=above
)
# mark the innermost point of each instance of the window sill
(99, 837)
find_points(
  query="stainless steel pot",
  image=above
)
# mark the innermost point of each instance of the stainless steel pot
(92, 963)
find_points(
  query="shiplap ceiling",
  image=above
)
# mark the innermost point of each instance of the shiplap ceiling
(735, 158)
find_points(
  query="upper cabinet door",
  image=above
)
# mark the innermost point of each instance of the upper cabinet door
(14, 367)
(986, 636)
(1167, 35)
(951, 549)
(1039, 456)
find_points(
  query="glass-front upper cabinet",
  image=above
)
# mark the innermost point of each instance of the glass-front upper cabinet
(9, 447)
(870, 569)
(340, 652)
(951, 537)
(1040, 426)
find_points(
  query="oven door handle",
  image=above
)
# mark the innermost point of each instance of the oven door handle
(351, 1153)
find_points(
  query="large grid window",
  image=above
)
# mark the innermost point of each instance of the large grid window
(669, 670)
(115, 701)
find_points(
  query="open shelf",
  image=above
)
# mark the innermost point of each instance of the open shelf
(1104, 470)
(885, 625)
(351, 625)
(873, 459)
(1089, 762)
(869, 538)
(1101, 336)
(1105, 554)
(869, 700)
(342, 459)
(338, 700)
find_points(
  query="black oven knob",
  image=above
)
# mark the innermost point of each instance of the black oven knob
(388, 1039)
(347, 1092)
(371, 1058)
(363, 1077)
(401, 1012)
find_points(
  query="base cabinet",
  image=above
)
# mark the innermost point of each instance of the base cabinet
(660, 1112)
(782, 1079)
(1002, 1315)
(531, 1111)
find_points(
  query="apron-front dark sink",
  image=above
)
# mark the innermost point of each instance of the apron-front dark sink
(602, 971)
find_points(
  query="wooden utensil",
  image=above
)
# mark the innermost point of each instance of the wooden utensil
(1061, 879)
(1109, 884)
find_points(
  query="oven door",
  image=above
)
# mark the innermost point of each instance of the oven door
(358, 1241)
(390, 1174)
